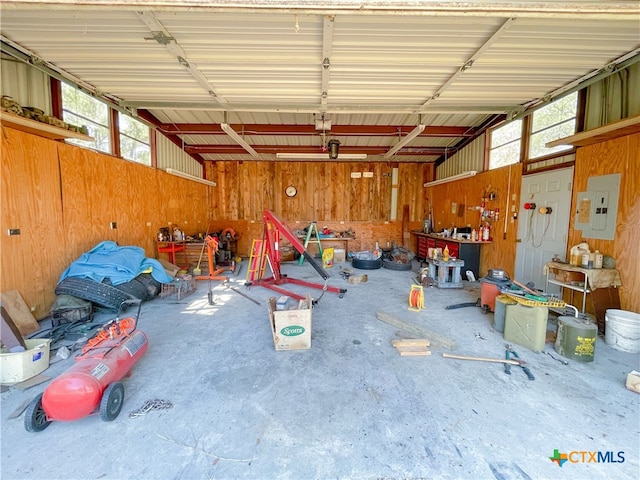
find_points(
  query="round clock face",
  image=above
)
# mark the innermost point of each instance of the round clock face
(291, 191)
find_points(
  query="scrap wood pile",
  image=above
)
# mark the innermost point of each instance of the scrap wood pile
(412, 347)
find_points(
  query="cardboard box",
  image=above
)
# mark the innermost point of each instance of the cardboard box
(20, 366)
(291, 329)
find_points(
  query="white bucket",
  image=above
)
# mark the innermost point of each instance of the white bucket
(622, 330)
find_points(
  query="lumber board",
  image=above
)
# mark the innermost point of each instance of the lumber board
(414, 353)
(19, 312)
(416, 330)
(411, 342)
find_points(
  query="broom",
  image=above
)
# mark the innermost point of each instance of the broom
(198, 270)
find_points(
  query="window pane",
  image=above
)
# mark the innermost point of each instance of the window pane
(79, 109)
(507, 133)
(134, 150)
(538, 140)
(555, 112)
(504, 155)
(134, 140)
(133, 128)
(556, 120)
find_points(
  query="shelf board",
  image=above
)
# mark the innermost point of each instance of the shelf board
(600, 134)
(34, 127)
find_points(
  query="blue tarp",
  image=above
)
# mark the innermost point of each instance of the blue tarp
(118, 264)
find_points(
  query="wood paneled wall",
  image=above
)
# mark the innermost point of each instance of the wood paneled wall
(63, 199)
(621, 155)
(327, 194)
(467, 194)
(326, 191)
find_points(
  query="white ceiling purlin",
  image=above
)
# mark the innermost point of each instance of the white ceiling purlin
(327, 49)
(604, 9)
(163, 37)
(470, 61)
(313, 108)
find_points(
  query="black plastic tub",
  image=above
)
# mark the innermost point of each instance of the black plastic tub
(367, 264)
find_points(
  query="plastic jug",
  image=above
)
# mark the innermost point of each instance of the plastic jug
(576, 253)
(598, 259)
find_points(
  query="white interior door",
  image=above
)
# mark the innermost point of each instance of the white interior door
(541, 236)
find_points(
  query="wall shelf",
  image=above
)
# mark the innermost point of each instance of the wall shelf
(34, 127)
(600, 134)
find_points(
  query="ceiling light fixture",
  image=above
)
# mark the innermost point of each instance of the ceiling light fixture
(452, 178)
(410, 136)
(334, 148)
(238, 139)
(319, 156)
(178, 173)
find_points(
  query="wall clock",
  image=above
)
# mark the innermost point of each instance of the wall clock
(290, 191)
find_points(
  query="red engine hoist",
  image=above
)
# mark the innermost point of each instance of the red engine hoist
(273, 228)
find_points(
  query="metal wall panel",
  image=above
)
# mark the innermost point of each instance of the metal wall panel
(170, 156)
(25, 84)
(470, 157)
(613, 98)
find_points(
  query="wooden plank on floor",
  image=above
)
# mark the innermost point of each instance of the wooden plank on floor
(416, 330)
(19, 312)
(411, 342)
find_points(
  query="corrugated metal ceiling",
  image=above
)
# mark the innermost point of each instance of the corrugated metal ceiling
(180, 66)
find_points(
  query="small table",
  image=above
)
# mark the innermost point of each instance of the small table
(591, 279)
(171, 248)
(446, 274)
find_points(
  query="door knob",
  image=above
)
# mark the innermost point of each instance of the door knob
(519, 240)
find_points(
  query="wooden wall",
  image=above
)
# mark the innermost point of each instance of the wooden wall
(327, 194)
(621, 155)
(63, 198)
(467, 194)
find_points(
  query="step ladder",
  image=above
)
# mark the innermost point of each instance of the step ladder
(310, 231)
(257, 260)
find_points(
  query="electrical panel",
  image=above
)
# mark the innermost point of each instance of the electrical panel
(597, 208)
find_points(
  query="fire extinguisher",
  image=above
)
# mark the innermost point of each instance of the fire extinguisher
(486, 233)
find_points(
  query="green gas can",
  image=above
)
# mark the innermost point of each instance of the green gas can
(576, 338)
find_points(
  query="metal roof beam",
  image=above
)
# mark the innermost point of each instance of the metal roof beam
(474, 8)
(470, 61)
(327, 49)
(273, 149)
(306, 130)
(315, 108)
(161, 35)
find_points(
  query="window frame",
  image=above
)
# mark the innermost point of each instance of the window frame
(489, 148)
(121, 134)
(58, 110)
(528, 164)
(579, 114)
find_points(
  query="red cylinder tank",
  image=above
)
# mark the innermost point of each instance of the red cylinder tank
(78, 391)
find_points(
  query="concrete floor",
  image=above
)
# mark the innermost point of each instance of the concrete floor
(350, 407)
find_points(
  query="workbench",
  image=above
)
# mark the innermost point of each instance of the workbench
(463, 249)
(344, 241)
